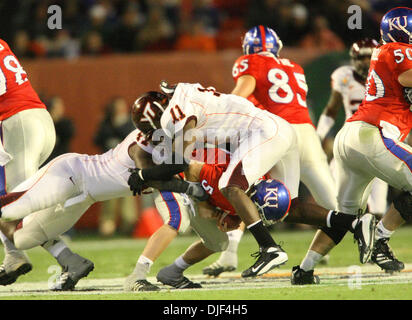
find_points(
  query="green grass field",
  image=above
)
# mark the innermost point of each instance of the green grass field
(115, 258)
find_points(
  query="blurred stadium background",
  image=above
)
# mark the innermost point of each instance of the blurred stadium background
(110, 51)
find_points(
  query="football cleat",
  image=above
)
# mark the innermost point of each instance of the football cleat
(15, 264)
(384, 257)
(364, 234)
(71, 274)
(301, 277)
(144, 285)
(267, 259)
(215, 269)
(181, 282)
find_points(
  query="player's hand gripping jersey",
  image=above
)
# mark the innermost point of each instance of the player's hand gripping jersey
(16, 92)
(280, 85)
(384, 105)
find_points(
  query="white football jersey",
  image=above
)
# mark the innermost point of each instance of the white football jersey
(219, 116)
(352, 91)
(105, 175)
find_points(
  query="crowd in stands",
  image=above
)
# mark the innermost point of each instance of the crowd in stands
(100, 27)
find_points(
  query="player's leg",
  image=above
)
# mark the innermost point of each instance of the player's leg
(228, 259)
(175, 212)
(29, 137)
(353, 190)
(392, 165)
(43, 228)
(212, 240)
(36, 193)
(314, 168)
(250, 161)
(378, 202)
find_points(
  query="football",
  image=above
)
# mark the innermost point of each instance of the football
(232, 221)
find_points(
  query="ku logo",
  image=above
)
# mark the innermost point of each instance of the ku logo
(395, 23)
(271, 197)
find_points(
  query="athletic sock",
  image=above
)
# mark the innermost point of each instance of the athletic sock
(181, 263)
(311, 260)
(229, 256)
(142, 268)
(337, 219)
(261, 234)
(382, 232)
(59, 250)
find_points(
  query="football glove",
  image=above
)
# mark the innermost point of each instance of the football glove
(135, 181)
(407, 93)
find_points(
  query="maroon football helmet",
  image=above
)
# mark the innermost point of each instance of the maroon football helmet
(147, 111)
(360, 53)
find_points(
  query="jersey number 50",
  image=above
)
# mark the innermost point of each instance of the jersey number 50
(280, 80)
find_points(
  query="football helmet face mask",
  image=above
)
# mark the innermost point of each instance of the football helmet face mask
(147, 111)
(396, 25)
(360, 53)
(272, 198)
(261, 39)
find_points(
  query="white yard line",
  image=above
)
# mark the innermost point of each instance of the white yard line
(369, 275)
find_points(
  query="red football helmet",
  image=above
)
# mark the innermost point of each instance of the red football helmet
(360, 53)
(147, 111)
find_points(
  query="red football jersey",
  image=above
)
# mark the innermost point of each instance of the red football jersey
(384, 101)
(216, 162)
(16, 92)
(280, 85)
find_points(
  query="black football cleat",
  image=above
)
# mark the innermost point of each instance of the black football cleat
(267, 259)
(301, 277)
(364, 234)
(215, 269)
(384, 257)
(10, 276)
(144, 285)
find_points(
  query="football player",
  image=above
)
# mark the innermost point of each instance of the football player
(278, 85)
(348, 90)
(370, 145)
(198, 114)
(27, 139)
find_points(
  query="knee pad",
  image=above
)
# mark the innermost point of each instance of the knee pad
(403, 203)
(336, 234)
(30, 235)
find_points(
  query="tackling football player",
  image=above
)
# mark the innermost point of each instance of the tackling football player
(370, 144)
(71, 183)
(278, 85)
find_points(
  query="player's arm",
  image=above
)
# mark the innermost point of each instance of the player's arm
(190, 186)
(163, 172)
(405, 78)
(245, 85)
(329, 114)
